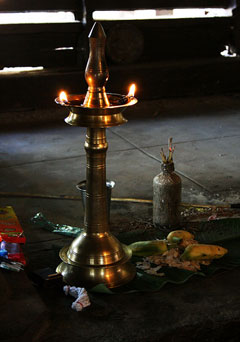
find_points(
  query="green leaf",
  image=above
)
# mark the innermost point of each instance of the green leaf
(225, 232)
(217, 231)
(101, 288)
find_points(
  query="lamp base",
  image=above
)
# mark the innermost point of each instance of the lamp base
(113, 275)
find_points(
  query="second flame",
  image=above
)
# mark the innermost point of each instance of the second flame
(63, 97)
(132, 90)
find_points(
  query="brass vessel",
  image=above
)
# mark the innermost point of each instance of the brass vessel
(96, 256)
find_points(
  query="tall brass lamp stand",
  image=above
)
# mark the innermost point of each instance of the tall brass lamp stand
(96, 256)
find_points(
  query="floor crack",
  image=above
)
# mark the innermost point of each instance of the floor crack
(159, 160)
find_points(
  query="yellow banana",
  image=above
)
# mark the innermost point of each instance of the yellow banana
(203, 252)
(178, 235)
(147, 248)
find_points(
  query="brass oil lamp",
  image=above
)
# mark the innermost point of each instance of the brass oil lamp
(96, 256)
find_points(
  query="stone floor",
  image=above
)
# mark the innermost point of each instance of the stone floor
(48, 159)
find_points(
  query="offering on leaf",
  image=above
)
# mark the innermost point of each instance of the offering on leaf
(203, 252)
(178, 250)
(148, 248)
(179, 236)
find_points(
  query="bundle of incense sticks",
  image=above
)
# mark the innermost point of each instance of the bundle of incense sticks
(171, 148)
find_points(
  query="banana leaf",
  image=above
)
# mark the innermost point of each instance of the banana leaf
(224, 232)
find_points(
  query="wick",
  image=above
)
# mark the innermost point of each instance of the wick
(128, 96)
(65, 102)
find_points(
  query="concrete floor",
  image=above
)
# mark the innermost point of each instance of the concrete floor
(49, 159)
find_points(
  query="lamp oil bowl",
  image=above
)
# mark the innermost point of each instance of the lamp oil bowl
(96, 256)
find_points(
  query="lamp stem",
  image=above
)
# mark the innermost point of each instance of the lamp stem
(96, 215)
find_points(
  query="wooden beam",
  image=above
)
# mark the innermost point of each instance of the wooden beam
(155, 4)
(35, 44)
(30, 45)
(47, 58)
(236, 30)
(176, 24)
(43, 5)
(77, 5)
(13, 29)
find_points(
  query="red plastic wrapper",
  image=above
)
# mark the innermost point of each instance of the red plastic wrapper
(19, 257)
(13, 239)
(11, 235)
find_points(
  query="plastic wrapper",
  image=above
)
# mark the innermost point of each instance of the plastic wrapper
(14, 251)
(11, 266)
(81, 295)
(40, 221)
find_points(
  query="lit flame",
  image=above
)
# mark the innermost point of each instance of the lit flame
(132, 90)
(63, 97)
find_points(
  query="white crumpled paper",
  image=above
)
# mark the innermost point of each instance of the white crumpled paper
(81, 295)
